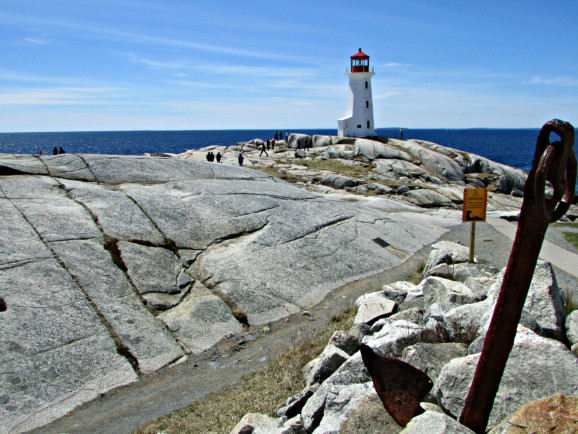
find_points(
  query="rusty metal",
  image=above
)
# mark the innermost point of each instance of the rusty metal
(400, 386)
(554, 163)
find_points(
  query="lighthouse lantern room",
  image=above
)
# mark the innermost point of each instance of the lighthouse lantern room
(358, 122)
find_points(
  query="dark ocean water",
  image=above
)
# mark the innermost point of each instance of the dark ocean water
(514, 147)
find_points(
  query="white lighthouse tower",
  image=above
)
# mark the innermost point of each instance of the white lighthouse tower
(358, 121)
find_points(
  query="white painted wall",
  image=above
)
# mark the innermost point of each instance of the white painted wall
(359, 107)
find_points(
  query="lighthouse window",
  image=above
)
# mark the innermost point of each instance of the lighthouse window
(366, 104)
(368, 124)
(367, 84)
(358, 126)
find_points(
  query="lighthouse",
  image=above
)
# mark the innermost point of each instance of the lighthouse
(358, 121)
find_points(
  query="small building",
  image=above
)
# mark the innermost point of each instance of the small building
(358, 121)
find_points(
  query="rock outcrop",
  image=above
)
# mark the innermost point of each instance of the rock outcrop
(113, 267)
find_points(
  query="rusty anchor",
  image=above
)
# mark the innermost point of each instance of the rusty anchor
(399, 385)
(554, 163)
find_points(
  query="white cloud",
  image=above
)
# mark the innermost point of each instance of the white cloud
(554, 81)
(57, 96)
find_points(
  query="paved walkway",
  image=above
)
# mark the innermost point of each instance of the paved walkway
(559, 257)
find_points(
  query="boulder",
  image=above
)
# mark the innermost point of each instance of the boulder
(537, 368)
(558, 413)
(321, 141)
(435, 422)
(438, 311)
(572, 327)
(331, 405)
(438, 164)
(374, 308)
(345, 341)
(544, 310)
(396, 293)
(440, 290)
(393, 338)
(369, 416)
(322, 367)
(299, 141)
(372, 149)
(339, 181)
(465, 323)
(259, 423)
(446, 252)
(362, 299)
(430, 358)
(295, 403)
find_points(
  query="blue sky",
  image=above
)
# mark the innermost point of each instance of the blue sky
(84, 65)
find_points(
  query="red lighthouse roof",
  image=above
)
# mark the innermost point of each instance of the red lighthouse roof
(360, 62)
(360, 55)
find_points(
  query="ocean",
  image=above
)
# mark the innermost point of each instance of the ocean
(514, 147)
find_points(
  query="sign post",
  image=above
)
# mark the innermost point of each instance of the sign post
(475, 202)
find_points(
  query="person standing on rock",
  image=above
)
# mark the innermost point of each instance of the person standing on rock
(276, 135)
(401, 134)
(240, 158)
(218, 157)
(263, 150)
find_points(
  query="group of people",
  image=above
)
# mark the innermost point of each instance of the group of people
(279, 135)
(211, 157)
(266, 146)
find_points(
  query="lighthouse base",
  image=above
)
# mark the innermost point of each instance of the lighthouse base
(346, 128)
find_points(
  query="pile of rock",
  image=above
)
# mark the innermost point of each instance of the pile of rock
(438, 326)
(415, 171)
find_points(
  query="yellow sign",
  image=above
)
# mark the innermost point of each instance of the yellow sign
(475, 201)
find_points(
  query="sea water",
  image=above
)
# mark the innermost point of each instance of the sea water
(514, 147)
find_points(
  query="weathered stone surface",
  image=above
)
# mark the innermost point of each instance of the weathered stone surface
(345, 341)
(157, 273)
(331, 405)
(446, 252)
(544, 309)
(438, 311)
(435, 162)
(322, 367)
(53, 347)
(371, 309)
(395, 168)
(465, 323)
(435, 422)
(393, 338)
(369, 416)
(414, 315)
(258, 423)
(365, 297)
(339, 181)
(372, 150)
(200, 320)
(295, 403)
(440, 290)
(537, 368)
(431, 358)
(124, 221)
(118, 302)
(572, 327)
(299, 141)
(557, 414)
(428, 198)
(320, 141)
